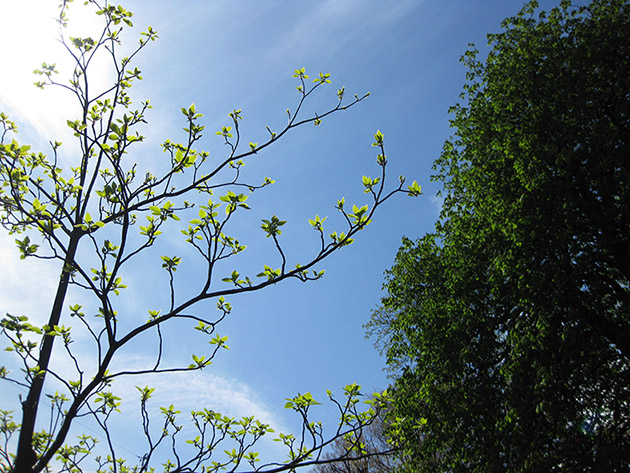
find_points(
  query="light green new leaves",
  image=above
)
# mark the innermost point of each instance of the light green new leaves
(272, 227)
(232, 243)
(151, 229)
(105, 278)
(323, 78)
(89, 224)
(225, 132)
(82, 44)
(145, 393)
(317, 222)
(191, 112)
(358, 215)
(170, 264)
(270, 273)
(110, 192)
(234, 201)
(165, 212)
(378, 141)
(26, 248)
(184, 160)
(301, 402)
(303, 275)
(47, 70)
(234, 278)
(220, 342)
(340, 93)
(200, 362)
(151, 34)
(109, 402)
(369, 183)
(341, 238)
(109, 249)
(378, 138)
(300, 73)
(207, 218)
(414, 189)
(117, 14)
(75, 310)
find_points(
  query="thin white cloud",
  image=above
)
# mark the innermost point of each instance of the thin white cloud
(192, 392)
(185, 391)
(436, 201)
(204, 389)
(342, 22)
(27, 286)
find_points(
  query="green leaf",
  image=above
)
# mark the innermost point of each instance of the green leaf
(414, 189)
(378, 138)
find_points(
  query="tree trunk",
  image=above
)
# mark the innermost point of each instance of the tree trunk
(26, 457)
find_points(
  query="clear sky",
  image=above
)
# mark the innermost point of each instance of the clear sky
(240, 55)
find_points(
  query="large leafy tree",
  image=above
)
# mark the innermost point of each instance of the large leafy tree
(508, 327)
(94, 218)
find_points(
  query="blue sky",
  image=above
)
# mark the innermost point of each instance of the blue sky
(241, 55)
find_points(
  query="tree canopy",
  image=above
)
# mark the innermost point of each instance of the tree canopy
(508, 327)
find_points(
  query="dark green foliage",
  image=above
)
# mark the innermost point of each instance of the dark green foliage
(508, 328)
